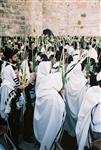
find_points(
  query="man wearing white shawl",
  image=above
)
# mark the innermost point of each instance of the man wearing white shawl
(92, 101)
(10, 94)
(49, 107)
(9, 81)
(75, 89)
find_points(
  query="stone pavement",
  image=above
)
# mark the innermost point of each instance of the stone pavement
(28, 146)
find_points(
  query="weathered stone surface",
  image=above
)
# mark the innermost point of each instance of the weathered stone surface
(12, 16)
(74, 17)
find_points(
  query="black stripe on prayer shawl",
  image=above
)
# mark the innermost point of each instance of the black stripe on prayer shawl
(55, 67)
(75, 54)
(5, 103)
(16, 79)
(90, 132)
(16, 87)
(11, 95)
(72, 68)
(17, 82)
(7, 64)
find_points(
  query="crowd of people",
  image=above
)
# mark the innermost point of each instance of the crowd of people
(50, 83)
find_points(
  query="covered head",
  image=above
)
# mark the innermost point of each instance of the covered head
(99, 78)
(44, 68)
(43, 71)
(92, 53)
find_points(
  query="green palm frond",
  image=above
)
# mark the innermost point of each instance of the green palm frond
(34, 64)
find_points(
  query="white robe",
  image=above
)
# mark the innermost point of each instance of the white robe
(96, 120)
(5, 89)
(8, 84)
(8, 88)
(8, 74)
(91, 99)
(74, 91)
(49, 107)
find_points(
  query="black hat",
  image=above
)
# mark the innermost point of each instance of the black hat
(9, 52)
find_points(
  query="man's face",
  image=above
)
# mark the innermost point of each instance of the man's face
(14, 58)
(1, 54)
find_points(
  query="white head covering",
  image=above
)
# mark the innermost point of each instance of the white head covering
(66, 46)
(38, 58)
(43, 50)
(71, 50)
(93, 54)
(76, 55)
(84, 55)
(99, 76)
(44, 68)
(50, 54)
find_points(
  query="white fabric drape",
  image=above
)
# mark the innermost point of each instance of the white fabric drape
(75, 90)
(49, 106)
(91, 99)
(5, 89)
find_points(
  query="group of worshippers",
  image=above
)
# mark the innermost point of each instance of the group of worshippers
(74, 105)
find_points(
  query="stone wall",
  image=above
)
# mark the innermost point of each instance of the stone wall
(30, 17)
(12, 18)
(75, 17)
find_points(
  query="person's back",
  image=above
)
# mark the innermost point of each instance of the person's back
(89, 116)
(49, 106)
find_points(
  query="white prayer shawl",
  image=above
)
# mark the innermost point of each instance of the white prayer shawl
(91, 99)
(71, 66)
(83, 55)
(49, 107)
(9, 82)
(49, 53)
(96, 120)
(43, 50)
(42, 70)
(92, 53)
(66, 46)
(56, 67)
(8, 74)
(6, 88)
(76, 55)
(74, 92)
(70, 50)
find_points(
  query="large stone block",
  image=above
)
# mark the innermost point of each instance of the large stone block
(74, 17)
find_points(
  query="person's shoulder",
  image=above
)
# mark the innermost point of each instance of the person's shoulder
(8, 66)
(93, 89)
